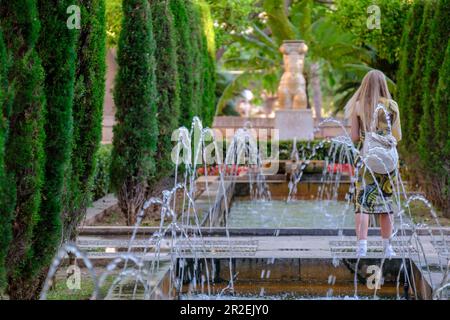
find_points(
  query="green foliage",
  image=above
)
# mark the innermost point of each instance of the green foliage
(414, 103)
(352, 15)
(257, 51)
(312, 150)
(437, 43)
(441, 115)
(185, 62)
(278, 21)
(102, 179)
(56, 47)
(167, 83)
(441, 110)
(305, 149)
(208, 54)
(6, 200)
(423, 97)
(136, 130)
(197, 63)
(87, 112)
(24, 156)
(231, 17)
(113, 21)
(408, 46)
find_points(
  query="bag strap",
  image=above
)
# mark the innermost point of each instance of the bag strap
(373, 125)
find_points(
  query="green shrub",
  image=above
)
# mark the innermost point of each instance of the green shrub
(423, 98)
(208, 57)
(202, 34)
(408, 46)
(167, 84)
(113, 21)
(414, 105)
(56, 47)
(442, 138)
(437, 44)
(285, 148)
(102, 181)
(87, 113)
(136, 130)
(197, 63)
(352, 16)
(185, 61)
(305, 149)
(24, 156)
(6, 198)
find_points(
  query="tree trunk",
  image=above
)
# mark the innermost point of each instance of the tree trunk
(317, 89)
(27, 289)
(131, 199)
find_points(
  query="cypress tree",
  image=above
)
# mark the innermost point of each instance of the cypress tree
(167, 83)
(408, 46)
(441, 108)
(415, 108)
(204, 59)
(24, 156)
(87, 112)
(6, 198)
(185, 61)
(197, 59)
(437, 44)
(56, 47)
(441, 114)
(208, 64)
(136, 130)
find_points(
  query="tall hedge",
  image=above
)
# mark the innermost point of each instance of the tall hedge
(423, 98)
(136, 130)
(6, 198)
(441, 114)
(208, 64)
(56, 47)
(441, 110)
(24, 154)
(414, 101)
(87, 112)
(185, 61)
(203, 40)
(437, 44)
(197, 60)
(408, 47)
(167, 83)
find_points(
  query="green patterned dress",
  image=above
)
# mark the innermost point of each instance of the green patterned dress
(373, 190)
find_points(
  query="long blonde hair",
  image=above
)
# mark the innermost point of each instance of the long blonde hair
(373, 89)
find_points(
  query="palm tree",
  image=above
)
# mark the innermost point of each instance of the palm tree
(330, 53)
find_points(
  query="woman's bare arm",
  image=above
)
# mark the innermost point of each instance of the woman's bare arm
(355, 128)
(397, 128)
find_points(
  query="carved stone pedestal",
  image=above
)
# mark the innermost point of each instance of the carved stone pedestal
(295, 124)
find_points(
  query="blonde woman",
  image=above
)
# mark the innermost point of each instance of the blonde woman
(373, 191)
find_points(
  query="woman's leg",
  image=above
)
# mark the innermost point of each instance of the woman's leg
(361, 225)
(362, 228)
(386, 226)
